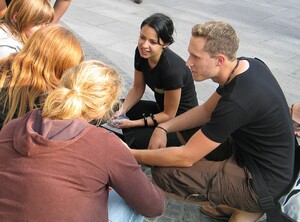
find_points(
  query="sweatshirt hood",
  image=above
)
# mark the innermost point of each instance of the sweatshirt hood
(35, 135)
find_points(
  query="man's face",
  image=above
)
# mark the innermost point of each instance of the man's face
(201, 64)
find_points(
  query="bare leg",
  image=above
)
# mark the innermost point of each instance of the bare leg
(295, 114)
(235, 215)
(239, 215)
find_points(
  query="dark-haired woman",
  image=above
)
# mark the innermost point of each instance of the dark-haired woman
(166, 74)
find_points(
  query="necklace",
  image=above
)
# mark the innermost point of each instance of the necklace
(230, 75)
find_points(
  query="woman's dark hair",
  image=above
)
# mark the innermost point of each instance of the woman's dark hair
(163, 26)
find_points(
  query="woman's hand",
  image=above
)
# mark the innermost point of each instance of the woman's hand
(120, 122)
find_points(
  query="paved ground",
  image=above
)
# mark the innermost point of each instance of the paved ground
(269, 30)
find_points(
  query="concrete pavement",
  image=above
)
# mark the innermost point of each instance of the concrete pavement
(269, 30)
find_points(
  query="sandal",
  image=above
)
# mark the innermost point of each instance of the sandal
(219, 216)
(296, 125)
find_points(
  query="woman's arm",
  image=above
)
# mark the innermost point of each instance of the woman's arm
(135, 93)
(171, 104)
(196, 148)
(60, 7)
(192, 118)
(195, 117)
(131, 183)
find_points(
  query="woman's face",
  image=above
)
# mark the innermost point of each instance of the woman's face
(150, 47)
(33, 28)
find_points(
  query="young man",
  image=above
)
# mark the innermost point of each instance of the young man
(249, 106)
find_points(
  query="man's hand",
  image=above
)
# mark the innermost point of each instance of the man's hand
(158, 139)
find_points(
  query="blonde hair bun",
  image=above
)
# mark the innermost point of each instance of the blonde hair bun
(89, 90)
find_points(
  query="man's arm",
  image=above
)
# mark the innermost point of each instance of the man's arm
(185, 156)
(195, 149)
(195, 117)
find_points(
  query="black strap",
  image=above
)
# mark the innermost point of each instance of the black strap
(266, 201)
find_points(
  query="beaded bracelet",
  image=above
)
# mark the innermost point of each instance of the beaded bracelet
(162, 129)
(154, 120)
(145, 119)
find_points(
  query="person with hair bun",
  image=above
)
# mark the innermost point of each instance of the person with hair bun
(166, 74)
(87, 92)
(56, 166)
(27, 76)
(21, 20)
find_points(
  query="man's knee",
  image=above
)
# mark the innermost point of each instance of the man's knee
(175, 181)
(159, 177)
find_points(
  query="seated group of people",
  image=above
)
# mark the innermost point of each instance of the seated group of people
(58, 165)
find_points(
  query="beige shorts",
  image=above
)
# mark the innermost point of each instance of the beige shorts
(219, 182)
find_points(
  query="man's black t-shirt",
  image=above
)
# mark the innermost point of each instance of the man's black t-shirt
(254, 111)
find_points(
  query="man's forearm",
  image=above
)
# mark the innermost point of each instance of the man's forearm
(193, 118)
(171, 156)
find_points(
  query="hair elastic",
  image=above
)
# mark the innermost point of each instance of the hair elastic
(145, 119)
(162, 129)
(154, 120)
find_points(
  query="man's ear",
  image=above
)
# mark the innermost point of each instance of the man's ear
(220, 60)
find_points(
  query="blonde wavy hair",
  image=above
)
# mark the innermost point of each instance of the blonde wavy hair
(89, 91)
(22, 14)
(37, 68)
(220, 38)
